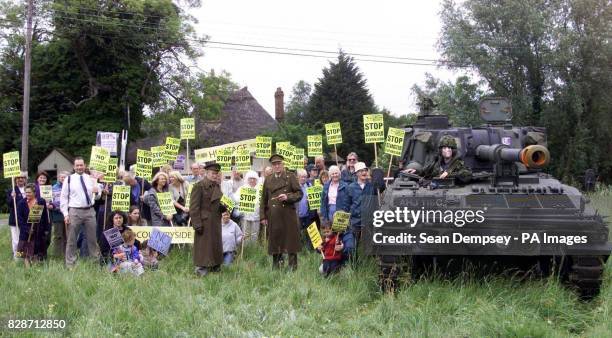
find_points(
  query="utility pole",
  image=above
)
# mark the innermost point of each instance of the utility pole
(25, 131)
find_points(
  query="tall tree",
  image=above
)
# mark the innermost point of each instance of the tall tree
(552, 58)
(341, 95)
(295, 111)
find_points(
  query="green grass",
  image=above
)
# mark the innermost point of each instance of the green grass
(249, 299)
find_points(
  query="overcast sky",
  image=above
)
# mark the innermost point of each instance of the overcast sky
(405, 29)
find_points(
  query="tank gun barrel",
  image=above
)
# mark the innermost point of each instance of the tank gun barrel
(534, 156)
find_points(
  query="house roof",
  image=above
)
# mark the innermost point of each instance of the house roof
(243, 118)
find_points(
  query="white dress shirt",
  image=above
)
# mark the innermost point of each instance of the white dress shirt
(77, 198)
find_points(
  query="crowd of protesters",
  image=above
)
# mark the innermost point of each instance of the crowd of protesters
(79, 212)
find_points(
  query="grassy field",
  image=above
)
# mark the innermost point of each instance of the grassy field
(249, 299)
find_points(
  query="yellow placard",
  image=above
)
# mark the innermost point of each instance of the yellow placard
(285, 149)
(395, 141)
(248, 199)
(263, 147)
(315, 145)
(158, 156)
(209, 154)
(99, 159)
(314, 196)
(374, 128)
(121, 198)
(188, 197)
(36, 212)
(172, 148)
(333, 133)
(180, 235)
(165, 203)
(242, 158)
(224, 159)
(110, 175)
(144, 168)
(298, 158)
(188, 128)
(46, 192)
(10, 162)
(341, 221)
(315, 236)
(228, 202)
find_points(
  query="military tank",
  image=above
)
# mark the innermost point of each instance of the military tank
(519, 215)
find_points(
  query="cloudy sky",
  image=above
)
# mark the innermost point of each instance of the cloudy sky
(401, 33)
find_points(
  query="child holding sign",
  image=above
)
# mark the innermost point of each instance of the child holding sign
(127, 257)
(33, 226)
(332, 251)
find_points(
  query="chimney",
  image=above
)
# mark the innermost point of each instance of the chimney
(279, 105)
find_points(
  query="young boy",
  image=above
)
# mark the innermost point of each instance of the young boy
(332, 250)
(127, 257)
(231, 236)
(149, 256)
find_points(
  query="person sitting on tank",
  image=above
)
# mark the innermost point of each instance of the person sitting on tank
(446, 164)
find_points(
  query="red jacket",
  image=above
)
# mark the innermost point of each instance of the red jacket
(329, 250)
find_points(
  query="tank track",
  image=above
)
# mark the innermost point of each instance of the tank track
(585, 274)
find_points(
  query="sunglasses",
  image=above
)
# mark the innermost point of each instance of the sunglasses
(352, 159)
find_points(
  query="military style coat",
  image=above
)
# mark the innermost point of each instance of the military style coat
(206, 221)
(456, 169)
(283, 224)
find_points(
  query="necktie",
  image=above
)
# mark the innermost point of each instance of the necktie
(85, 191)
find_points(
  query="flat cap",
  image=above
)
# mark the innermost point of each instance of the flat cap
(276, 158)
(212, 165)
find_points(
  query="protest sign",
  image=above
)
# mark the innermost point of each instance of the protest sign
(99, 159)
(314, 196)
(224, 159)
(333, 133)
(315, 145)
(341, 221)
(10, 162)
(298, 158)
(179, 164)
(179, 235)
(242, 158)
(144, 167)
(121, 198)
(36, 212)
(188, 128)
(113, 237)
(315, 236)
(107, 141)
(373, 128)
(188, 196)
(263, 147)
(159, 241)
(209, 154)
(395, 141)
(158, 156)
(172, 148)
(46, 192)
(165, 203)
(248, 196)
(110, 175)
(228, 202)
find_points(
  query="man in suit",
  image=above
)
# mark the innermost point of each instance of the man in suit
(281, 191)
(205, 212)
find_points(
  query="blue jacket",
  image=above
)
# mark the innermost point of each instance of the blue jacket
(347, 176)
(358, 198)
(341, 199)
(9, 202)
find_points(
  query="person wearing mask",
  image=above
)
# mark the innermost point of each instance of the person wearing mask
(76, 202)
(13, 197)
(159, 184)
